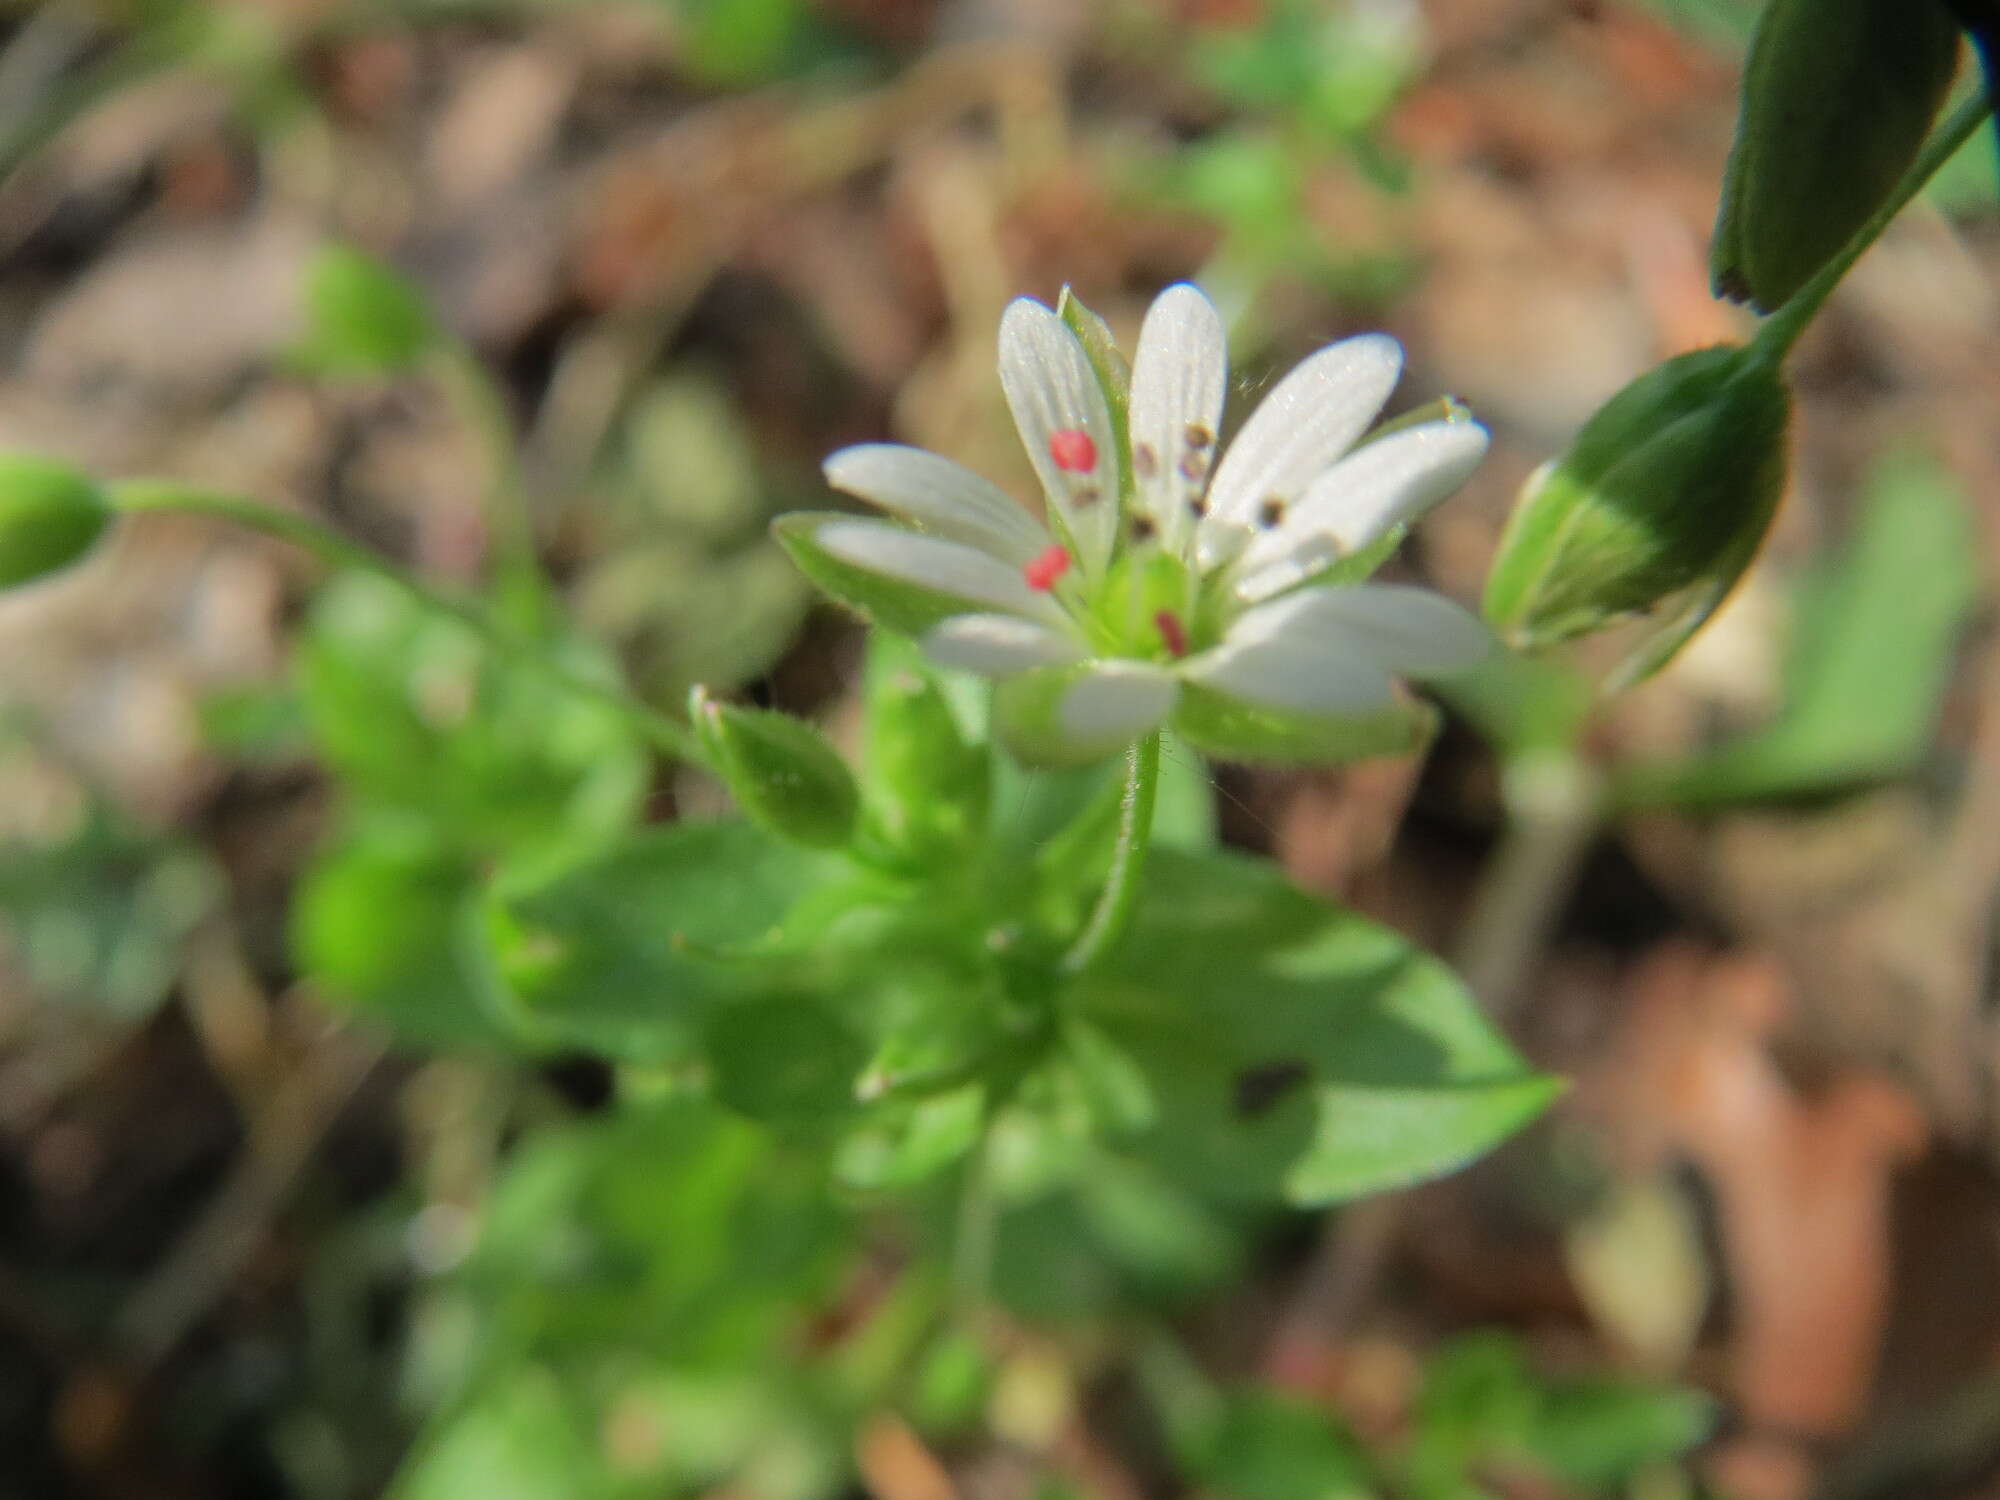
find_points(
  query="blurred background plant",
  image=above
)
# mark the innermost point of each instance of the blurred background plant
(298, 1199)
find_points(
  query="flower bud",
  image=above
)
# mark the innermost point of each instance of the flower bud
(50, 515)
(1655, 511)
(1837, 98)
(782, 772)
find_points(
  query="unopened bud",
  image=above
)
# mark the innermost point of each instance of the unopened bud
(1654, 512)
(50, 515)
(1838, 96)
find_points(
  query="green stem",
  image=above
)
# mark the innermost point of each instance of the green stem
(1128, 859)
(1782, 329)
(138, 496)
(974, 1235)
(519, 585)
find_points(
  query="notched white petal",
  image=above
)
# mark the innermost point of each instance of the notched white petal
(1381, 485)
(1180, 375)
(1117, 701)
(931, 562)
(1308, 421)
(1051, 389)
(939, 496)
(998, 645)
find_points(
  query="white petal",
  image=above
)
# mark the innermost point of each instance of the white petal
(1312, 417)
(1410, 631)
(1381, 485)
(1331, 650)
(949, 567)
(1117, 701)
(938, 496)
(998, 645)
(1051, 388)
(1294, 676)
(1179, 376)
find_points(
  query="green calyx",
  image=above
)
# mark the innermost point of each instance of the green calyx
(50, 516)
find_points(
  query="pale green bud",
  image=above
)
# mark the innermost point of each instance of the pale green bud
(782, 772)
(50, 515)
(1654, 512)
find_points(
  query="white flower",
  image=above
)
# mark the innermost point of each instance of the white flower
(1170, 580)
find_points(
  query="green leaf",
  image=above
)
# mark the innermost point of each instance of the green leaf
(386, 924)
(98, 919)
(1838, 96)
(525, 1439)
(1873, 643)
(1599, 1433)
(625, 950)
(785, 1058)
(365, 319)
(783, 773)
(1269, 1446)
(899, 1145)
(1296, 1050)
(418, 716)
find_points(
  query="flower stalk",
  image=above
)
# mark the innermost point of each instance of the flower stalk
(1108, 919)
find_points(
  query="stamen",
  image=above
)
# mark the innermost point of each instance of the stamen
(1198, 436)
(1073, 449)
(1087, 496)
(1198, 506)
(1041, 572)
(1271, 513)
(1194, 465)
(1145, 462)
(1172, 632)
(1143, 530)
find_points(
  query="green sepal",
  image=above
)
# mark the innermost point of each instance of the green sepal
(782, 772)
(1838, 96)
(1027, 720)
(1657, 508)
(1230, 729)
(893, 603)
(1107, 363)
(364, 317)
(930, 786)
(50, 516)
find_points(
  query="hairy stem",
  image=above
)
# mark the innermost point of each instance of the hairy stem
(1128, 859)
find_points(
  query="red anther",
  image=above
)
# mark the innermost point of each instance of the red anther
(1073, 449)
(1043, 571)
(1172, 632)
